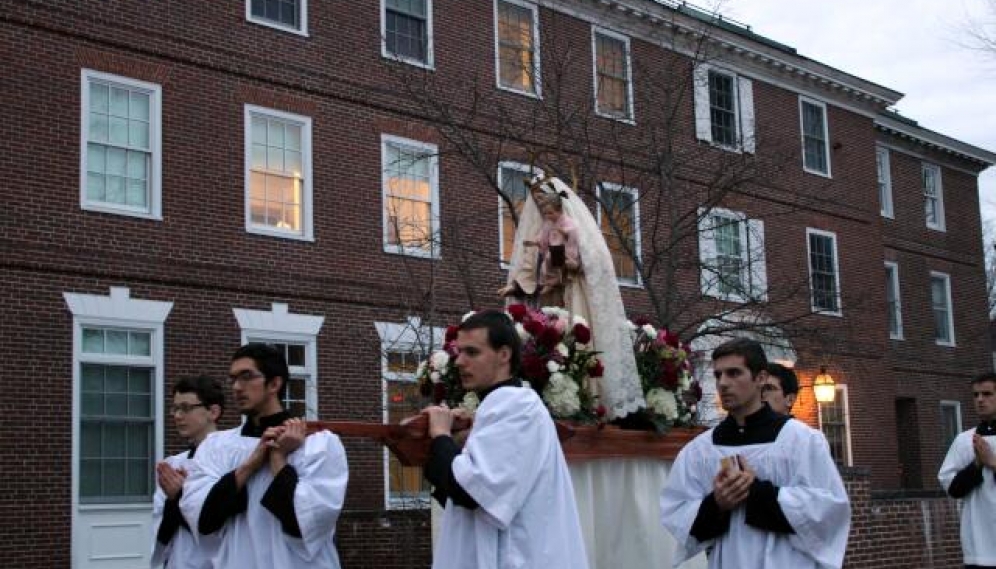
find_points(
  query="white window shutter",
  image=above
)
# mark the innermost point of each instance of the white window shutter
(746, 91)
(709, 277)
(757, 262)
(703, 120)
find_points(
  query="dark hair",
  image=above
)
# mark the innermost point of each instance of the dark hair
(786, 377)
(751, 351)
(984, 377)
(208, 389)
(269, 360)
(501, 333)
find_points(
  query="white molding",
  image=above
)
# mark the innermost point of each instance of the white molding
(154, 91)
(429, 62)
(950, 307)
(118, 307)
(596, 31)
(537, 92)
(836, 268)
(302, 31)
(638, 226)
(430, 152)
(306, 232)
(826, 136)
(893, 282)
(886, 206)
(278, 319)
(934, 140)
(923, 157)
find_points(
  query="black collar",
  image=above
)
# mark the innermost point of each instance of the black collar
(514, 382)
(191, 450)
(762, 426)
(256, 430)
(986, 428)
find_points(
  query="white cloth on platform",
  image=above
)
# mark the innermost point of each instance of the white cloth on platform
(978, 508)
(186, 550)
(513, 467)
(595, 297)
(254, 539)
(811, 496)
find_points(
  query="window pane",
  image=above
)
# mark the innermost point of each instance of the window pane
(90, 435)
(117, 342)
(93, 341)
(115, 379)
(295, 354)
(99, 97)
(139, 108)
(139, 344)
(90, 478)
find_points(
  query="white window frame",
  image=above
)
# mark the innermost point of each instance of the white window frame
(752, 254)
(412, 336)
(630, 116)
(956, 405)
(892, 281)
(884, 176)
(279, 325)
(826, 135)
(116, 310)
(836, 266)
(518, 167)
(636, 281)
(537, 91)
(949, 306)
(302, 31)
(429, 62)
(938, 225)
(431, 152)
(307, 222)
(154, 91)
(841, 395)
(744, 121)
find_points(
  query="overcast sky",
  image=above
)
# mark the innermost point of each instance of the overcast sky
(916, 47)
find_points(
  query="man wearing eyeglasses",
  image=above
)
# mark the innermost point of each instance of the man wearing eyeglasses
(780, 388)
(270, 492)
(198, 402)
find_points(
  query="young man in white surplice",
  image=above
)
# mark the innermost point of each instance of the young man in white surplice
(507, 494)
(761, 488)
(272, 494)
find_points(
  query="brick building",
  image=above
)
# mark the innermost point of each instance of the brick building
(184, 177)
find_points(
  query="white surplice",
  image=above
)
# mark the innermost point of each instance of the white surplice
(811, 496)
(254, 539)
(978, 508)
(513, 467)
(186, 550)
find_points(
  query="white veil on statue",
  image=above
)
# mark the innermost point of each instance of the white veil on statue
(594, 296)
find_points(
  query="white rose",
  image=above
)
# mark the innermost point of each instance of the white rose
(662, 402)
(434, 376)
(421, 368)
(630, 325)
(562, 350)
(521, 331)
(649, 331)
(552, 366)
(470, 401)
(579, 320)
(440, 360)
(468, 315)
(561, 395)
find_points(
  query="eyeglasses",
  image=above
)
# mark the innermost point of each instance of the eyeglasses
(768, 388)
(184, 408)
(247, 375)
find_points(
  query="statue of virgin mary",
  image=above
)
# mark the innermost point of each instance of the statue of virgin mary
(592, 292)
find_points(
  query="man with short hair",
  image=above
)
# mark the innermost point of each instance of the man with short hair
(271, 492)
(198, 403)
(780, 388)
(507, 494)
(967, 473)
(760, 488)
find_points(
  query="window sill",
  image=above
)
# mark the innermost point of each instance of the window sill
(945, 344)
(837, 314)
(624, 120)
(817, 173)
(531, 94)
(279, 234)
(427, 65)
(416, 253)
(277, 26)
(102, 208)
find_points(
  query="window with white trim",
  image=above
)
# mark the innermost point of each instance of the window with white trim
(619, 219)
(732, 257)
(940, 300)
(121, 145)
(411, 197)
(815, 137)
(296, 335)
(933, 196)
(286, 15)
(517, 52)
(403, 348)
(117, 380)
(835, 423)
(824, 273)
(278, 173)
(950, 422)
(613, 79)
(893, 305)
(882, 168)
(406, 26)
(513, 179)
(724, 108)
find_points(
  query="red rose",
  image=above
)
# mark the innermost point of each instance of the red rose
(582, 333)
(600, 411)
(672, 339)
(518, 311)
(451, 333)
(548, 337)
(668, 377)
(438, 392)
(641, 320)
(596, 369)
(534, 327)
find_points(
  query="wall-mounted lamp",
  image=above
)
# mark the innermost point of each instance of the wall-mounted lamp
(823, 386)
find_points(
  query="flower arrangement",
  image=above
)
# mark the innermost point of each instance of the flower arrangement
(665, 369)
(557, 361)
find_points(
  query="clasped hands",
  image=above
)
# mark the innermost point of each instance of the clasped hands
(732, 485)
(984, 455)
(277, 443)
(441, 420)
